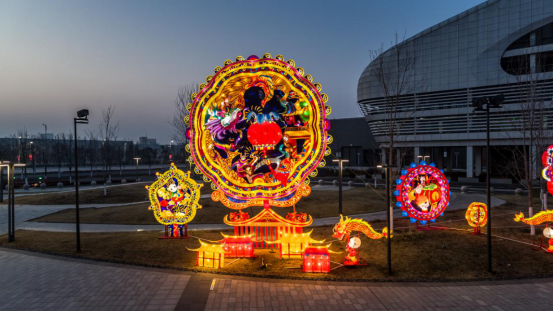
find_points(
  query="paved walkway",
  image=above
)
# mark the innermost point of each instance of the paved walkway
(458, 201)
(43, 283)
(33, 281)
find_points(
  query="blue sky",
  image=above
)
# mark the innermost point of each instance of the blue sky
(57, 57)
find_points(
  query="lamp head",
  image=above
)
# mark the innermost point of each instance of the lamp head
(82, 113)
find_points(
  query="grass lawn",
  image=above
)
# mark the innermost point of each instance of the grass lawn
(115, 195)
(318, 204)
(453, 254)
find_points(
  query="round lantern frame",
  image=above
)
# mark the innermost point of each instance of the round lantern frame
(474, 211)
(404, 187)
(547, 172)
(231, 188)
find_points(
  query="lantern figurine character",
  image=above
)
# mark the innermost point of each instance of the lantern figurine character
(316, 259)
(174, 198)
(342, 231)
(210, 255)
(352, 249)
(477, 216)
(238, 246)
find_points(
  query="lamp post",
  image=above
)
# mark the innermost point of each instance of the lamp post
(484, 104)
(390, 211)
(171, 151)
(82, 118)
(422, 157)
(341, 169)
(44, 150)
(11, 197)
(33, 157)
(137, 159)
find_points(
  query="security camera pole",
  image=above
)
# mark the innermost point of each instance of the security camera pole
(82, 118)
(484, 104)
(341, 166)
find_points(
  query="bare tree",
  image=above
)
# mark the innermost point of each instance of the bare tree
(108, 130)
(395, 73)
(178, 120)
(531, 131)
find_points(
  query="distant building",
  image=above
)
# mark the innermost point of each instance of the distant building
(147, 142)
(483, 51)
(352, 140)
(47, 136)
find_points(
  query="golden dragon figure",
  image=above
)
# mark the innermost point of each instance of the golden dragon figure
(343, 229)
(538, 218)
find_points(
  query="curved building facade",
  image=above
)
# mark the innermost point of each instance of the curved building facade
(484, 51)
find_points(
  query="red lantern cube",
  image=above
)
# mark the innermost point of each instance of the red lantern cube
(316, 260)
(238, 247)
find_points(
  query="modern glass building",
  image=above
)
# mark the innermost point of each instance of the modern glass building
(484, 51)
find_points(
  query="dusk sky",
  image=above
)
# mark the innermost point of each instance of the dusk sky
(57, 57)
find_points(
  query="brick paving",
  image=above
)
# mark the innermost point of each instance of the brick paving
(232, 294)
(45, 283)
(33, 281)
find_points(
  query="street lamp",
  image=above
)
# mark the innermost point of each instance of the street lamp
(44, 150)
(341, 169)
(171, 150)
(82, 118)
(11, 197)
(390, 211)
(137, 159)
(484, 104)
(33, 159)
(422, 157)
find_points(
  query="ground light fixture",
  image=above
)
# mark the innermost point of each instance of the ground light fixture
(389, 209)
(341, 169)
(483, 104)
(82, 118)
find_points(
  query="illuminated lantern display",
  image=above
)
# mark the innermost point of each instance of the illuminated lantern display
(210, 255)
(258, 131)
(538, 218)
(344, 228)
(548, 233)
(292, 245)
(477, 216)
(267, 226)
(238, 246)
(174, 200)
(316, 259)
(547, 173)
(422, 193)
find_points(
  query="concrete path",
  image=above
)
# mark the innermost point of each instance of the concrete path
(34, 281)
(25, 212)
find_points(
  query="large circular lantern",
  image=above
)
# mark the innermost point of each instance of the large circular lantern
(422, 192)
(547, 173)
(257, 131)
